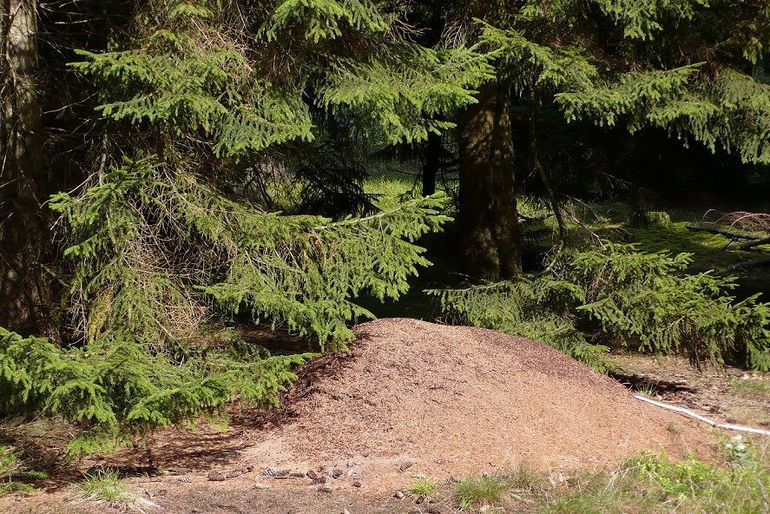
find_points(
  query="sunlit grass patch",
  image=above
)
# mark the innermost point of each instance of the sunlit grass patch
(423, 489)
(657, 483)
(751, 387)
(495, 490)
(105, 487)
(391, 190)
(480, 490)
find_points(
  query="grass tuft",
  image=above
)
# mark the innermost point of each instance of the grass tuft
(648, 390)
(423, 489)
(105, 486)
(657, 484)
(479, 490)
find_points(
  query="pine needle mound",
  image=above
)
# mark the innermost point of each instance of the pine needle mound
(445, 401)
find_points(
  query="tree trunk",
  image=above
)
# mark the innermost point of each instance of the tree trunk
(24, 238)
(432, 151)
(488, 216)
(431, 164)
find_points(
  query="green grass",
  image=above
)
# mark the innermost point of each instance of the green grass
(480, 490)
(12, 474)
(495, 490)
(105, 486)
(647, 390)
(738, 482)
(667, 231)
(423, 489)
(391, 189)
(752, 387)
(658, 484)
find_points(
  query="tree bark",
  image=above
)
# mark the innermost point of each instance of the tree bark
(431, 164)
(24, 237)
(488, 217)
(432, 152)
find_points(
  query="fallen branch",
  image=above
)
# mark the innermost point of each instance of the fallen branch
(760, 263)
(704, 419)
(756, 242)
(730, 234)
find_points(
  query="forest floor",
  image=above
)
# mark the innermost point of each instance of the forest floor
(415, 408)
(731, 394)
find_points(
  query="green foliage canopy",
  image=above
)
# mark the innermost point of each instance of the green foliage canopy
(692, 68)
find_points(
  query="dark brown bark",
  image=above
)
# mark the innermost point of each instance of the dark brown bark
(432, 155)
(431, 164)
(24, 239)
(488, 217)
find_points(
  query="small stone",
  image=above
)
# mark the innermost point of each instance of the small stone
(325, 489)
(421, 476)
(217, 476)
(315, 478)
(276, 473)
(349, 464)
(336, 473)
(261, 486)
(405, 465)
(346, 511)
(399, 494)
(357, 483)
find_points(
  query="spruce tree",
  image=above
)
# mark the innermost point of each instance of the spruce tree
(693, 70)
(165, 239)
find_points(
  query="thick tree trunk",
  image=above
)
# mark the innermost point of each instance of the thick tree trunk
(488, 216)
(24, 239)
